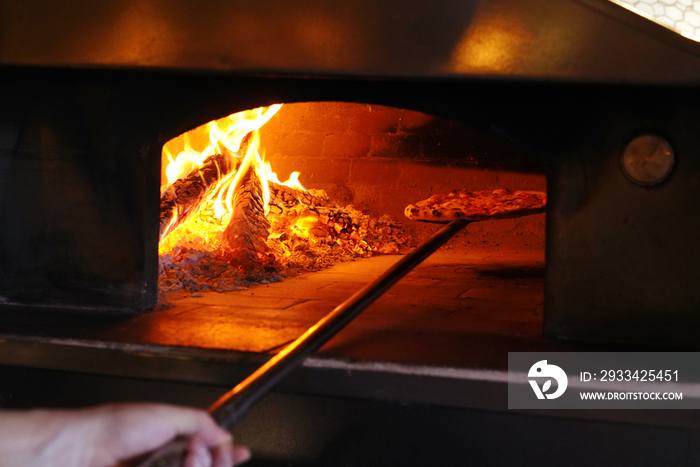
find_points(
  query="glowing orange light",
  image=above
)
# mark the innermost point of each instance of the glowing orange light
(201, 228)
(226, 136)
(302, 226)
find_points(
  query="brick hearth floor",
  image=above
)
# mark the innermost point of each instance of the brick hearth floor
(460, 307)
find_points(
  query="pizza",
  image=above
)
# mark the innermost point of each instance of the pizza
(477, 205)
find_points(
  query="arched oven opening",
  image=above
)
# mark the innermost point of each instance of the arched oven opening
(277, 214)
(422, 374)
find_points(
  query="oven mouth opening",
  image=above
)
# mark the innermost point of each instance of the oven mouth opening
(363, 164)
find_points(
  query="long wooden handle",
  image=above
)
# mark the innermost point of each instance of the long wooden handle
(234, 405)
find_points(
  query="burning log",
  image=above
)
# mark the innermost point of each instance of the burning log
(285, 197)
(183, 198)
(248, 227)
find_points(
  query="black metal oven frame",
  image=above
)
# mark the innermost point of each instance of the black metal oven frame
(80, 170)
(89, 92)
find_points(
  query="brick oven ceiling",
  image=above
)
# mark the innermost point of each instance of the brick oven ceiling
(579, 40)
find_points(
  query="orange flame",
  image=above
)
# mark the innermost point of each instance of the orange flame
(226, 136)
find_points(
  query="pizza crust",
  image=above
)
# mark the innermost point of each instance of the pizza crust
(477, 205)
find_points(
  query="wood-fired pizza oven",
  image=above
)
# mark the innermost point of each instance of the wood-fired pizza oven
(387, 103)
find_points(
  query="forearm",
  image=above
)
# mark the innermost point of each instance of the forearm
(105, 435)
(33, 438)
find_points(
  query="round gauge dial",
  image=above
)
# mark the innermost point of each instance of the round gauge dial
(647, 160)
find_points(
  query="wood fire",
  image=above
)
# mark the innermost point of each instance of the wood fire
(227, 222)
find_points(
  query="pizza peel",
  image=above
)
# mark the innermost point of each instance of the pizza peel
(232, 407)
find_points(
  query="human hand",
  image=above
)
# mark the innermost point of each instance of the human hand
(107, 435)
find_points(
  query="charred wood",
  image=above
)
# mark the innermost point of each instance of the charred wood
(285, 197)
(183, 198)
(248, 227)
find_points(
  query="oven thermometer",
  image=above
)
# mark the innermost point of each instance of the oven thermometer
(647, 160)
